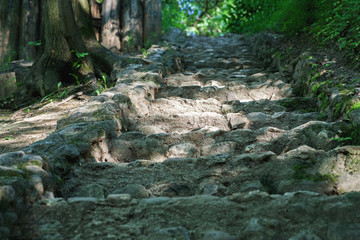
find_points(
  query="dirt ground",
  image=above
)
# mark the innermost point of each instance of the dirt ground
(23, 127)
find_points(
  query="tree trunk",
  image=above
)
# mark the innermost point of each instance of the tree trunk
(152, 22)
(96, 16)
(132, 25)
(9, 23)
(29, 30)
(55, 54)
(68, 47)
(110, 34)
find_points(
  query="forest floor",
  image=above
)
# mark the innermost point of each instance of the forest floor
(204, 143)
(35, 122)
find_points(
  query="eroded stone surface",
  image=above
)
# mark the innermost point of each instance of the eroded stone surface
(202, 143)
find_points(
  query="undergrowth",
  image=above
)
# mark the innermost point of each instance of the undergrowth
(329, 22)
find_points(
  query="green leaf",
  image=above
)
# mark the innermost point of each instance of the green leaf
(73, 75)
(81, 55)
(76, 65)
(34, 43)
(7, 138)
(46, 97)
(62, 94)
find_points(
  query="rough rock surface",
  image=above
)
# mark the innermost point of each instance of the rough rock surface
(202, 143)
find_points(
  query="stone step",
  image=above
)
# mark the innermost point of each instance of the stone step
(251, 78)
(207, 141)
(232, 93)
(177, 114)
(180, 123)
(239, 216)
(296, 104)
(218, 175)
(177, 105)
(282, 120)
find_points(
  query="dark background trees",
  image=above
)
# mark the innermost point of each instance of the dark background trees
(71, 40)
(131, 25)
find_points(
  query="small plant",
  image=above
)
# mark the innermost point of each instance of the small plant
(130, 41)
(76, 78)
(330, 177)
(103, 77)
(103, 84)
(46, 97)
(77, 64)
(7, 100)
(354, 107)
(148, 43)
(145, 53)
(57, 95)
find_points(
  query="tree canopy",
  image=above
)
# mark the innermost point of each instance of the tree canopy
(326, 21)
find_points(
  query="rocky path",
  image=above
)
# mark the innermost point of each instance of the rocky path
(201, 144)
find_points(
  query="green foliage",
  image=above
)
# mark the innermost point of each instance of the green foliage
(240, 15)
(7, 101)
(288, 16)
(327, 21)
(34, 43)
(103, 83)
(349, 135)
(338, 23)
(77, 65)
(194, 16)
(354, 107)
(172, 16)
(342, 139)
(54, 95)
(145, 53)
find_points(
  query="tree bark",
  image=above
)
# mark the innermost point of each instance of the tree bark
(55, 54)
(29, 29)
(68, 47)
(96, 16)
(9, 23)
(132, 25)
(110, 34)
(152, 21)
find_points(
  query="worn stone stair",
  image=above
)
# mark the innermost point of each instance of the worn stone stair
(214, 148)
